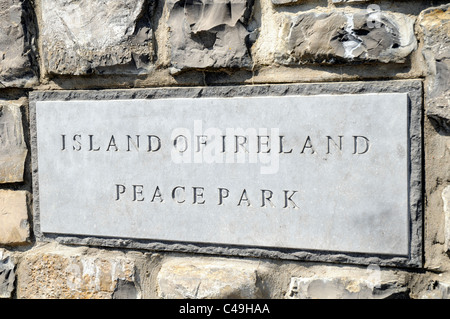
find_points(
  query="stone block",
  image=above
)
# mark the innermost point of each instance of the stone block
(343, 288)
(347, 1)
(17, 67)
(338, 37)
(14, 226)
(196, 278)
(436, 290)
(435, 26)
(12, 144)
(446, 199)
(103, 37)
(209, 34)
(7, 274)
(57, 272)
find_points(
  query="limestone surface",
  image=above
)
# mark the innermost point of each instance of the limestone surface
(338, 37)
(7, 274)
(342, 288)
(16, 45)
(435, 25)
(84, 36)
(70, 273)
(12, 143)
(14, 226)
(194, 278)
(446, 200)
(209, 34)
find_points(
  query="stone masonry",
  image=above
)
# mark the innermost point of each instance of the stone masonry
(52, 45)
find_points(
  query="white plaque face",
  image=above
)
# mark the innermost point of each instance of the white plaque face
(325, 172)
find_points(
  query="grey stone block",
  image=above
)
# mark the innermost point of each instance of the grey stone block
(446, 201)
(336, 37)
(435, 26)
(18, 67)
(12, 143)
(7, 274)
(103, 37)
(343, 288)
(209, 34)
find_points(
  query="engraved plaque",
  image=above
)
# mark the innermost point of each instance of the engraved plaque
(317, 173)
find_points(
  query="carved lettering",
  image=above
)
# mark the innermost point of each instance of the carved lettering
(288, 199)
(244, 198)
(241, 143)
(131, 142)
(157, 194)
(198, 195)
(120, 189)
(223, 193)
(201, 140)
(63, 146)
(267, 197)
(253, 144)
(262, 143)
(91, 144)
(151, 144)
(112, 143)
(308, 145)
(174, 194)
(137, 192)
(77, 140)
(357, 148)
(281, 147)
(330, 139)
(180, 140)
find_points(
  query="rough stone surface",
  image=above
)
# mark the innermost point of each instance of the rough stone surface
(209, 34)
(85, 36)
(195, 278)
(435, 25)
(7, 274)
(446, 199)
(342, 288)
(436, 290)
(346, 1)
(345, 37)
(14, 226)
(17, 66)
(55, 272)
(12, 143)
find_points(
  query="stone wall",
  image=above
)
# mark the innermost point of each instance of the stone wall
(99, 44)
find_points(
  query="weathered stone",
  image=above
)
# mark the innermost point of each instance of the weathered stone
(347, 1)
(357, 36)
(435, 25)
(12, 144)
(125, 289)
(196, 278)
(16, 45)
(105, 37)
(65, 273)
(436, 290)
(279, 2)
(446, 199)
(342, 288)
(209, 34)
(7, 274)
(14, 226)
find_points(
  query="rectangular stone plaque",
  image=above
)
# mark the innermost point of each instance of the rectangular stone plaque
(326, 173)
